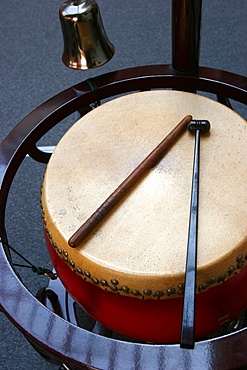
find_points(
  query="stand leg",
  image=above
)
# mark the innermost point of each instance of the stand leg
(186, 25)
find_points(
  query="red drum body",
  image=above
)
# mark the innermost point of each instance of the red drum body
(129, 273)
(157, 321)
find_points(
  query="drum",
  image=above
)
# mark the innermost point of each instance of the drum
(129, 272)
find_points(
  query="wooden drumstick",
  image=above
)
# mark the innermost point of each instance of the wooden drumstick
(94, 220)
(187, 338)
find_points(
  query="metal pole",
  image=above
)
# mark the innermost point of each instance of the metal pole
(186, 25)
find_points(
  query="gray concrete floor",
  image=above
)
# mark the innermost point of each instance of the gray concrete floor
(31, 72)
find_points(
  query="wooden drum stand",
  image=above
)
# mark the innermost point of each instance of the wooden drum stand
(57, 339)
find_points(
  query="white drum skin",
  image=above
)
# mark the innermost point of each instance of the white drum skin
(139, 250)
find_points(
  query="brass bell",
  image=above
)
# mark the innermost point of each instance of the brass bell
(86, 45)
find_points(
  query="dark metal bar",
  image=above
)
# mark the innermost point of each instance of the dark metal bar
(224, 100)
(186, 25)
(38, 155)
(187, 339)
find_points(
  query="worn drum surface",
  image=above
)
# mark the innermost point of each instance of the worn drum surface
(129, 273)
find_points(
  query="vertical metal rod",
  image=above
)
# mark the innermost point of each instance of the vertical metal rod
(188, 319)
(186, 26)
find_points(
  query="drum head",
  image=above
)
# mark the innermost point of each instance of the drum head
(141, 246)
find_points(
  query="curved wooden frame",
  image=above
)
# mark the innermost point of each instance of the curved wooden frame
(48, 332)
